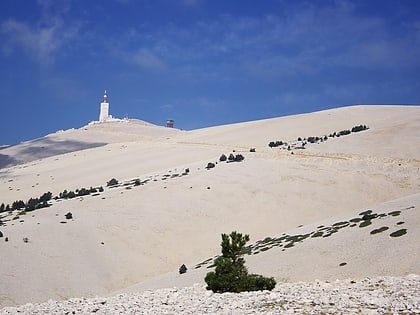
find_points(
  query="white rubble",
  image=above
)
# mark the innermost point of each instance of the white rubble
(381, 295)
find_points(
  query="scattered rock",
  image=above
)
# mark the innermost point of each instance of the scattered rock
(391, 295)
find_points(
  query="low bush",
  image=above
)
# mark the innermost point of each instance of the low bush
(239, 158)
(359, 128)
(344, 132)
(313, 139)
(112, 182)
(398, 233)
(210, 165)
(274, 144)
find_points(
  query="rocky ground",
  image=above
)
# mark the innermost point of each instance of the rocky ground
(381, 295)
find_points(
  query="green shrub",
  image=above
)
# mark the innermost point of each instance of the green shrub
(112, 182)
(398, 233)
(359, 128)
(210, 165)
(183, 269)
(230, 274)
(255, 282)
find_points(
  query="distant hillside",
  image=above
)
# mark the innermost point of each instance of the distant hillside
(80, 139)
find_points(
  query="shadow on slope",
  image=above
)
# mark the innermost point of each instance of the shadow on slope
(42, 148)
(6, 160)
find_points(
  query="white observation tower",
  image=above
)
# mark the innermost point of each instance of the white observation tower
(103, 115)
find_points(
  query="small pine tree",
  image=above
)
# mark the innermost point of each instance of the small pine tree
(71, 194)
(183, 269)
(32, 204)
(239, 158)
(112, 182)
(210, 165)
(230, 274)
(45, 197)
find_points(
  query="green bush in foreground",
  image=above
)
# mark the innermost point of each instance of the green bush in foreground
(230, 274)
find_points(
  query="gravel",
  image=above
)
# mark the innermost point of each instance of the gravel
(380, 295)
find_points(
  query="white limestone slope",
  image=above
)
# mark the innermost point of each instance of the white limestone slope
(122, 236)
(92, 135)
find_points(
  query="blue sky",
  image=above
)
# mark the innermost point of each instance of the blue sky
(200, 62)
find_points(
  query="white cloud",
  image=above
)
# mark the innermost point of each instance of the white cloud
(146, 59)
(300, 40)
(43, 40)
(39, 43)
(167, 106)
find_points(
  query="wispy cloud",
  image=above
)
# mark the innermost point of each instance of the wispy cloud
(301, 41)
(167, 107)
(146, 59)
(43, 40)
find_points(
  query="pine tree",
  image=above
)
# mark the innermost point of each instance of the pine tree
(230, 274)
